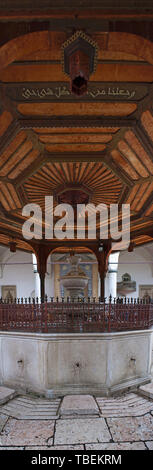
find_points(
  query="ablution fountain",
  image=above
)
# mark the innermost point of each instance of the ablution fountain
(75, 281)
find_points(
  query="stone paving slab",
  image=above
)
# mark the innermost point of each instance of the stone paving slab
(3, 420)
(149, 444)
(6, 394)
(147, 390)
(11, 448)
(78, 404)
(80, 431)
(110, 430)
(117, 446)
(131, 428)
(66, 447)
(27, 433)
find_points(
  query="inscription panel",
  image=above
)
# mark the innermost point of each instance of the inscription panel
(60, 91)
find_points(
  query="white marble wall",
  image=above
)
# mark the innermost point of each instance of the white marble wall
(96, 363)
(139, 264)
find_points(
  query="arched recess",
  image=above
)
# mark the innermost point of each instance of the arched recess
(102, 257)
(45, 40)
(60, 256)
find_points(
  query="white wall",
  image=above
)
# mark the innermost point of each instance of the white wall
(17, 269)
(49, 280)
(139, 264)
(17, 272)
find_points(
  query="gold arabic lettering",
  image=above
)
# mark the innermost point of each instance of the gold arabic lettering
(60, 91)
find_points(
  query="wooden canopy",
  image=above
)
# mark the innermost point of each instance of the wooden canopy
(49, 137)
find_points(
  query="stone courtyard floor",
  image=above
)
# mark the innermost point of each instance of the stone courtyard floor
(79, 422)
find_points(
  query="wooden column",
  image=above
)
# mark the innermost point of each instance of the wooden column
(42, 285)
(102, 254)
(42, 252)
(102, 285)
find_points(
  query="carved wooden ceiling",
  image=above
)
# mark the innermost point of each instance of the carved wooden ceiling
(49, 137)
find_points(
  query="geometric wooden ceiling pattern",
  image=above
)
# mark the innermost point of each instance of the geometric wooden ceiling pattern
(17, 156)
(49, 137)
(104, 186)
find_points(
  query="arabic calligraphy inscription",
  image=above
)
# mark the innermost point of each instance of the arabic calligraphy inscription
(60, 91)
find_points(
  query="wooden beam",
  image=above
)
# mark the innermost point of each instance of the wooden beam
(72, 121)
(75, 10)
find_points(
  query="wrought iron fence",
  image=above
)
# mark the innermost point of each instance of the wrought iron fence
(83, 315)
(110, 299)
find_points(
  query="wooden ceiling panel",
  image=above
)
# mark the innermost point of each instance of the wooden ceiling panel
(132, 158)
(4, 240)
(142, 195)
(141, 224)
(147, 122)
(54, 53)
(5, 120)
(131, 43)
(8, 197)
(149, 210)
(53, 72)
(14, 196)
(11, 227)
(75, 148)
(132, 195)
(33, 73)
(57, 172)
(84, 168)
(15, 158)
(103, 184)
(142, 240)
(21, 245)
(118, 56)
(120, 73)
(139, 150)
(77, 109)
(75, 139)
(93, 172)
(138, 195)
(21, 166)
(12, 148)
(28, 43)
(123, 164)
(3, 199)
